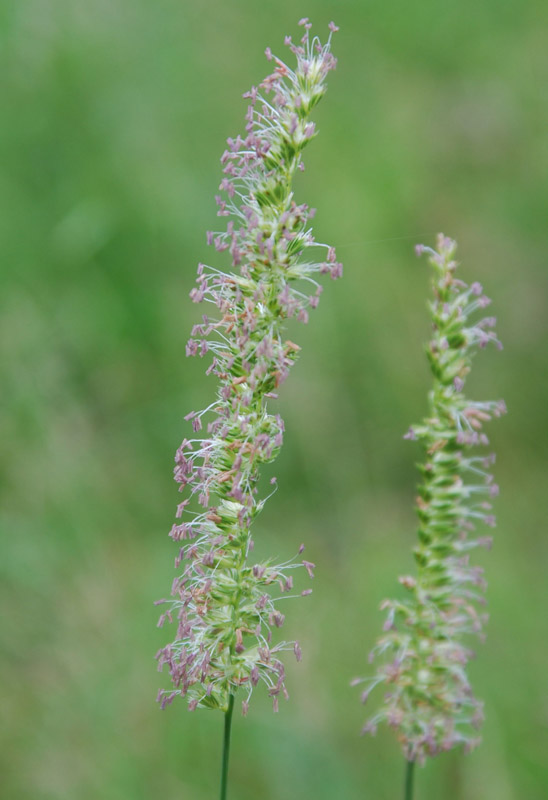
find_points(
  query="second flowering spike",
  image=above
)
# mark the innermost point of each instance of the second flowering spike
(423, 651)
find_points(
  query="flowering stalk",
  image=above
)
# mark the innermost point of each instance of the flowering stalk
(428, 699)
(222, 601)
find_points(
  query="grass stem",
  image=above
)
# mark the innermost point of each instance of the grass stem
(409, 773)
(226, 747)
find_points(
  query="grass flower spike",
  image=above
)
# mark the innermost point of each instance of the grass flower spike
(428, 699)
(223, 603)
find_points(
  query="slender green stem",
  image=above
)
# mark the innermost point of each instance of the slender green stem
(226, 746)
(409, 770)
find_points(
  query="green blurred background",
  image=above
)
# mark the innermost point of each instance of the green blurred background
(115, 115)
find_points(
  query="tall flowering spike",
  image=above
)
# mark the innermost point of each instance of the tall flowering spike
(223, 603)
(428, 699)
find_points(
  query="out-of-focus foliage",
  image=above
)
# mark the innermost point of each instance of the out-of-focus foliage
(115, 114)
